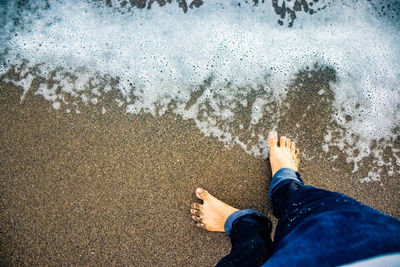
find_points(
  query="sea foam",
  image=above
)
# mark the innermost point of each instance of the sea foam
(211, 63)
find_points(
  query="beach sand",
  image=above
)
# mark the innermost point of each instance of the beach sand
(116, 189)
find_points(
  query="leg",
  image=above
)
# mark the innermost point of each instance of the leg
(249, 230)
(286, 180)
(250, 234)
(292, 202)
(329, 228)
(288, 183)
(323, 227)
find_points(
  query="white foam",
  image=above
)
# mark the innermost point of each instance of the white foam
(56, 105)
(48, 93)
(162, 55)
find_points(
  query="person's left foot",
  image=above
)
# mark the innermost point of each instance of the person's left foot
(212, 214)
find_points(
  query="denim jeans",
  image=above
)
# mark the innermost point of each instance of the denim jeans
(315, 228)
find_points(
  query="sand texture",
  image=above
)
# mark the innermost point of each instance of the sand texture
(115, 189)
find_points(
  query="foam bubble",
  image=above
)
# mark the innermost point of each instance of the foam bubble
(56, 105)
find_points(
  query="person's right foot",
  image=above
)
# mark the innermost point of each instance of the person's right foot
(286, 155)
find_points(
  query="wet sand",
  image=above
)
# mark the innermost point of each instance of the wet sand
(115, 189)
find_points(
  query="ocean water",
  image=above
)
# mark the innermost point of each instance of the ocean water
(226, 65)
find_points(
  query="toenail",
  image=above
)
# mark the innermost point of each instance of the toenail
(199, 190)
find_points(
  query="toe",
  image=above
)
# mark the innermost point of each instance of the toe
(195, 206)
(287, 143)
(292, 146)
(201, 225)
(201, 193)
(195, 212)
(196, 218)
(282, 141)
(272, 140)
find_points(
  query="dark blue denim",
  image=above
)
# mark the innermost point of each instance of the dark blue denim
(315, 228)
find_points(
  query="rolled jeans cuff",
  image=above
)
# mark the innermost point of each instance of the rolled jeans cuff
(282, 177)
(236, 215)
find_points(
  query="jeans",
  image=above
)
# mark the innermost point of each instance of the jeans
(316, 228)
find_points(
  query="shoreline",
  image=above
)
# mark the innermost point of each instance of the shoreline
(116, 189)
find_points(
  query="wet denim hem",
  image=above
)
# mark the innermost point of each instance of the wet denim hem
(236, 215)
(282, 175)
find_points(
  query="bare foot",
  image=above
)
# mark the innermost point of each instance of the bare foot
(212, 214)
(284, 156)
